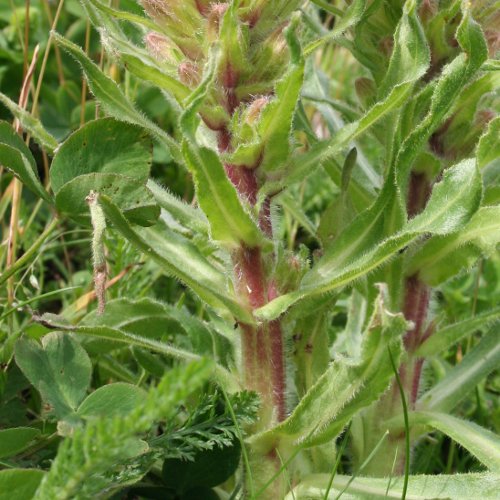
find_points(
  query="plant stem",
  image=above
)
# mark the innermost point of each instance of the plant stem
(263, 357)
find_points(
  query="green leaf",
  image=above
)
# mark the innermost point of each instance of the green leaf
(59, 369)
(451, 334)
(230, 222)
(13, 441)
(21, 166)
(482, 443)
(135, 200)
(112, 399)
(421, 487)
(444, 256)
(181, 259)
(275, 125)
(409, 63)
(349, 19)
(108, 157)
(411, 55)
(104, 146)
(96, 458)
(121, 14)
(154, 320)
(488, 148)
(123, 337)
(453, 202)
(31, 125)
(451, 82)
(346, 387)
(191, 218)
(463, 377)
(20, 484)
(112, 98)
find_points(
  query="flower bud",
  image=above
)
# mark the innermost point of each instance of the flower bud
(161, 48)
(215, 15)
(189, 74)
(181, 21)
(254, 109)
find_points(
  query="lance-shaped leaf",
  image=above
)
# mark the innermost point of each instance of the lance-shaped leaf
(189, 217)
(16, 156)
(95, 7)
(444, 338)
(482, 443)
(488, 148)
(113, 99)
(405, 68)
(275, 125)
(351, 17)
(60, 370)
(139, 62)
(31, 125)
(345, 387)
(179, 258)
(463, 377)
(453, 202)
(230, 222)
(410, 55)
(483, 485)
(155, 320)
(452, 80)
(444, 256)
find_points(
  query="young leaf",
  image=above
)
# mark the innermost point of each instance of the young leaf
(230, 222)
(409, 63)
(60, 370)
(345, 387)
(275, 125)
(349, 19)
(452, 80)
(463, 377)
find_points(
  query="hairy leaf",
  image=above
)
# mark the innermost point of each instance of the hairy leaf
(453, 202)
(421, 487)
(482, 443)
(180, 258)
